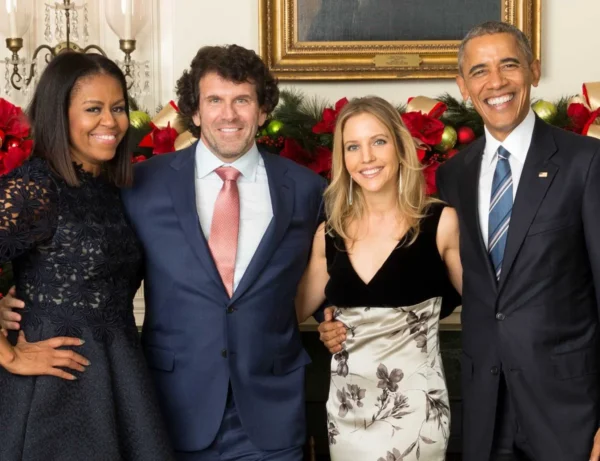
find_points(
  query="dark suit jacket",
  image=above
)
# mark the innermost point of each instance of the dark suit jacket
(539, 324)
(196, 339)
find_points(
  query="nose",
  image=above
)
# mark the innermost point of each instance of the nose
(108, 118)
(367, 154)
(497, 79)
(229, 112)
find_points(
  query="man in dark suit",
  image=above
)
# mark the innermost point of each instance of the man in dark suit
(227, 232)
(528, 200)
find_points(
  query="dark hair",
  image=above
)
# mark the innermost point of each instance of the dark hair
(492, 28)
(49, 115)
(231, 62)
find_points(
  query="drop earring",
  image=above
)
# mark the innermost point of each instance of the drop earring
(350, 193)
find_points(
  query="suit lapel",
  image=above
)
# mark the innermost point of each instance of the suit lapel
(530, 192)
(182, 188)
(281, 189)
(469, 191)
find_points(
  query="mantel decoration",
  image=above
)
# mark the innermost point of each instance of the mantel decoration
(301, 129)
(65, 23)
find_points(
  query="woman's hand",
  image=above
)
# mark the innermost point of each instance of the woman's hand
(44, 357)
(9, 320)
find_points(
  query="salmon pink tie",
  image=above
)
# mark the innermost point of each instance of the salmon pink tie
(223, 239)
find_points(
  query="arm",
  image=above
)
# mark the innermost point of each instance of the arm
(27, 218)
(591, 227)
(447, 239)
(311, 290)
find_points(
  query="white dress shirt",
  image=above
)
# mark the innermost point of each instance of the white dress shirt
(256, 210)
(517, 143)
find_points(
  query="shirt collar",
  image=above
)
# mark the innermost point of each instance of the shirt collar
(207, 162)
(517, 142)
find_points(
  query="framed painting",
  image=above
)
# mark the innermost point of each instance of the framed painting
(379, 39)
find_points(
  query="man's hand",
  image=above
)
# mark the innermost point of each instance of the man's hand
(332, 333)
(9, 320)
(595, 455)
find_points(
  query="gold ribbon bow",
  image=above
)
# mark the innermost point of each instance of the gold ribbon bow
(169, 116)
(591, 101)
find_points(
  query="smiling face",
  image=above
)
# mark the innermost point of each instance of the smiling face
(97, 120)
(498, 80)
(228, 116)
(370, 154)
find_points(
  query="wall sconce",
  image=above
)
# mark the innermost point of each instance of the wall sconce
(125, 17)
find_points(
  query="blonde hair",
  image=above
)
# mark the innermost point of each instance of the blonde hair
(412, 199)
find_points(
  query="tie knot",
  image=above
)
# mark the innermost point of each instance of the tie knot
(227, 173)
(503, 153)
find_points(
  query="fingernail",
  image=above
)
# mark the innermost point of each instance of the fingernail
(82, 341)
(88, 363)
(74, 378)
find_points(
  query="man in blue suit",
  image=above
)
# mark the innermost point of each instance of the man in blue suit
(220, 331)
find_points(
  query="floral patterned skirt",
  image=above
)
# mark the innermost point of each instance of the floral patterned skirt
(388, 399)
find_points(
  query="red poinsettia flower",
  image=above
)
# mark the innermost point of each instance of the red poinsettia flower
(423, 127)
(138, 159)
(12, 120)
(319, 162)
(14, 128)
(581, 117)
(164, 139)
(430, 172)
(329, 117)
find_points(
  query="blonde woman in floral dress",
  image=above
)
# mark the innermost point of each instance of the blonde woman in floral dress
(385, 257)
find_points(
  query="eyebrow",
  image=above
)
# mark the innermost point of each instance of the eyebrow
(236, 97)
(380, 135)
(477, 67)
(94, 101)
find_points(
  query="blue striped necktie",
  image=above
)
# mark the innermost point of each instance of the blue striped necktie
(501, 203)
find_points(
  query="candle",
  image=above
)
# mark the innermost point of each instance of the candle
(128, 11)
(12, 19)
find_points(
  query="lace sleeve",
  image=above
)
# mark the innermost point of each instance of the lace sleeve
(28, 205)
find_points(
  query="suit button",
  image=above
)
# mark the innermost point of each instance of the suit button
(500, 316)
(495, 370)
(224, 353)
(230, 310)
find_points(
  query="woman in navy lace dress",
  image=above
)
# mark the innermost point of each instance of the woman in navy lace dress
(77, 266)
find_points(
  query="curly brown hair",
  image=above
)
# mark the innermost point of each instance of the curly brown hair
(231, 62)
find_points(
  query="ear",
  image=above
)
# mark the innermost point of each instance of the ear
(196, 118)
(262, 116)
(462, 86)
(536, 72)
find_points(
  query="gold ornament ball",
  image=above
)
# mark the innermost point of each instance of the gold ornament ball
(545, 110)
(274, 127)
(449, 137)
(139, 119)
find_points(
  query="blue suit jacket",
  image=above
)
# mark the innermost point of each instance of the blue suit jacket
(196, 339)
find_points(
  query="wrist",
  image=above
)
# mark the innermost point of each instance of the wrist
(7, 356)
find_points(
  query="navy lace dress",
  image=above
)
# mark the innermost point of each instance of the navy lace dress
(76, 263)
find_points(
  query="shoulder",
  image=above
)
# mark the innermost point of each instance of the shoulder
(575, 143)
(433, 213)
(299, 173)
(457, 162)
(35, 171)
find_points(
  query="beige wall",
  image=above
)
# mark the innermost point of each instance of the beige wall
(570, 52)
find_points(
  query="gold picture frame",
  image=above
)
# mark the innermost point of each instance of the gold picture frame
(290, 58)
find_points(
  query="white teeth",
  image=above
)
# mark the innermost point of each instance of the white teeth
(499, 100)
(106, 137)
(371, 171)
(229, 130)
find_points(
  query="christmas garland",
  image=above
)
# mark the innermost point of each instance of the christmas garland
(302, 128)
